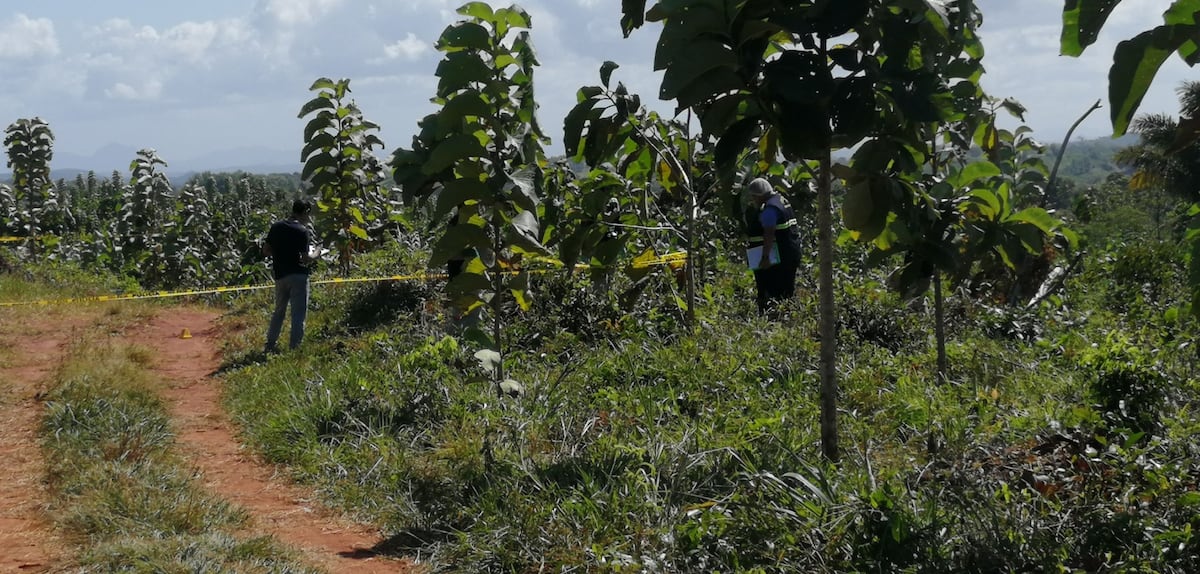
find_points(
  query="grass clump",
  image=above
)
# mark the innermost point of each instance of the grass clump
(119, 489)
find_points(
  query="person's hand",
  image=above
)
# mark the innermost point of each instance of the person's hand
(765, 262)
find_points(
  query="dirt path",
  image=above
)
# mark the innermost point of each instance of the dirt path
(206, 434)
(32, 349)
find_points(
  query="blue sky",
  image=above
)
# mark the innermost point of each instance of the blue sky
(192, 78)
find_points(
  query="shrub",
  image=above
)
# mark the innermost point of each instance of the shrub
(1127, 384)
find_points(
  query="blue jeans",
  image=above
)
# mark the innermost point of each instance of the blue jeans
(291, 289)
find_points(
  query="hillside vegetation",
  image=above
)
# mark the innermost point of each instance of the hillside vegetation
(983, 369)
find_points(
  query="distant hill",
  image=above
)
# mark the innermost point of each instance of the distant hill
(1089, 161)
(117, 157)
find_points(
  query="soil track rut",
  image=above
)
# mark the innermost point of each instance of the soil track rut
(33, 346)
(31, 352)
(206, 435)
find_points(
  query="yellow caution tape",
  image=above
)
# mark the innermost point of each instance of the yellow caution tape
(14, 239)
(664, 260)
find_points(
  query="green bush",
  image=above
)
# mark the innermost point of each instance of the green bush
(1127, 385)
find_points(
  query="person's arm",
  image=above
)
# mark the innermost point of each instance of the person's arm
(768, 243)
(267, 250)
(306, 254)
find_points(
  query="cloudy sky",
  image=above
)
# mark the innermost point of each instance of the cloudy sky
(193, 79)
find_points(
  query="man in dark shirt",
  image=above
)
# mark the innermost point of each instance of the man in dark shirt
(288, 245)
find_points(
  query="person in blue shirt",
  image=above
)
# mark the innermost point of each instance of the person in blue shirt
(775, 276)
(289, 245)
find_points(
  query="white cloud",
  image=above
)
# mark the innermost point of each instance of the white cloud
(146, 90)
(121, 34)
(410, 48)
(22, 38)
(296, 12)
(191, 40)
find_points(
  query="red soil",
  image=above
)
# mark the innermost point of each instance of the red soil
(31, 350)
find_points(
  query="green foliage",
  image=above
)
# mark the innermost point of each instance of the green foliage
(138, 231)
(1137, 60)
(1129, 386)
(480, 156)
(32, 207)
(342, 170)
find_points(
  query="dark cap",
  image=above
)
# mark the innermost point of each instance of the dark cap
(301, 207)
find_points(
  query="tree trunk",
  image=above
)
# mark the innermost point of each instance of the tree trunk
(939, 318)
(828, 325)
(693, 207)
(497, 299)
(691, 262)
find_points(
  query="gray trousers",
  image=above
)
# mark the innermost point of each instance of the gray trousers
(291, 289)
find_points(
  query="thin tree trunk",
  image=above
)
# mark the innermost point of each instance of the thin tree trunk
(691, 262)
(497, 299)
(1062, 151)
(939, 317)
(691, 230)
(828, 326)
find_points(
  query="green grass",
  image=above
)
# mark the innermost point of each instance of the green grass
(121, 492)
(638, 446)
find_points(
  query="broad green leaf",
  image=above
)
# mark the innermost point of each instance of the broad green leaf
(1036, 217)
(987, 203)
(459, 191)
(320, 143)
(711, 84)
(468, 103)
(519, 286)
(316, 163)
(323, 84)
(523, 183)
(1014, 108)
(721, 113)
(452, 150)
(858, 206)
(459, 70)
(606, 71)
(1082, 21)
(1032, 238)
(974, 172)
(465, 36)
(833, 18)
(574, 123)
(480, 10)
(467, 283)
(512, 17)
(455, 240)
(512, 388)
(1135, 63)
(633, 15)
(734, 142)
(704, 55)
(523, 233)
(317, 103)
(323, 120)
(358, 232)
(489, 360)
